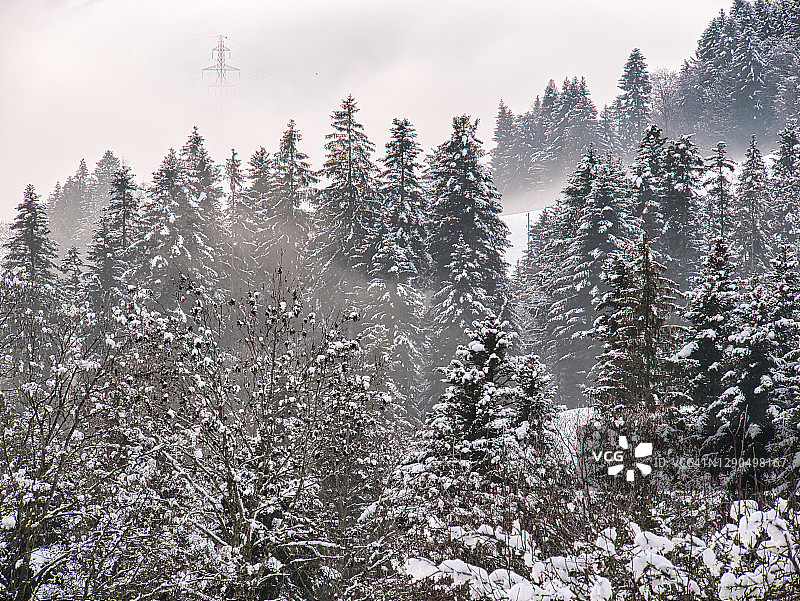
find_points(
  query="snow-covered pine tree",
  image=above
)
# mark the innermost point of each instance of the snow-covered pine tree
(400, 264)
(718, 189)
(506, 161)
(30, 252)
(202, 181)
(785, 186)
(752, 230)
(783, 289)
(648, 175)
(604, 227)
(467, 465)
(710, 307)
(240, 225)
(636, 370)
(740, 420)
(635, 102)
(679, 237)
(109, 252)
(174, 248)
(468, 243)
(347, 209)
(287, 226)
(73, 274)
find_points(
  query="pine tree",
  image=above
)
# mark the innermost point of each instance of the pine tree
(720, 197)
(648, 177)
(347, 211)
(636, 369)
(109, 252)
(287, 226)
(604, 227)
(467, 246)
(202, 181)
(73, 274)
(635, 102)
(711, 304)
(506, 162)
(752, 231)
(785, 186)
(239, 226)
(784, 332)
(679, 233)
(30, 253)
(174, 248)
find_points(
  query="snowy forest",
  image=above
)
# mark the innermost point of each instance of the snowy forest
(255, 378)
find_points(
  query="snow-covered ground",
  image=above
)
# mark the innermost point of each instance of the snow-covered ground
(518, 224)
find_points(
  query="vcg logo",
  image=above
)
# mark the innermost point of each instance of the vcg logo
(617, 459)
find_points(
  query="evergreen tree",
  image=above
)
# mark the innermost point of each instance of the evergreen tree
(202, 181)
(240, 228)
(257, 209)
(648, 177)
(109, 252)
(635, 102)
(72, 272)
(174, 248)
(720, 197)
(711, 304)
(287, 227)
(785, 186)
(636, 369)
(30, 253)
(467, 246)
(604, 227)
(679, 233)
(506, 161)
(346, 215)
(752, 229)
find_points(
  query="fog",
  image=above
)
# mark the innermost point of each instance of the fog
(84, 76)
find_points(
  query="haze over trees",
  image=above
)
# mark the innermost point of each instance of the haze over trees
(253, 379)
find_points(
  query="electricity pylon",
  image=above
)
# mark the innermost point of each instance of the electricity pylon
(220, 56)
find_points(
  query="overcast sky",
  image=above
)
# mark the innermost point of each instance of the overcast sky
(83, 76)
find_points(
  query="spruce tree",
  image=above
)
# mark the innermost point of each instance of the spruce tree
(718, 188)
(648, 178)
(605, 226)
(257, 209)
(239, 224)
(506, 161)
(636, 369)
(287, 226)
(711, 304)
(346, 214)
(785, 186)
(467, 245)
(72, 272)
(752, 206)
(30, 253)
(635, 102)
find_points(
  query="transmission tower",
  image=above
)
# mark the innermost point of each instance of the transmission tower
(220, 56)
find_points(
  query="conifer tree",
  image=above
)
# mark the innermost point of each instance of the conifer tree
(467, 246)
(506, 161)
(604, 227)
(785, 186)
(202, 181)
(240, 228)
(711, 304)
(30, 253)
(718, 188)
(636, 368)
(679, 233)
(346, 215)
(648, 177)
(73, 273)
(635, 102)
(287, 226)
(752, 207)
(257, 208)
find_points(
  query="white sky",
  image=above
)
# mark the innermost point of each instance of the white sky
(81, 76)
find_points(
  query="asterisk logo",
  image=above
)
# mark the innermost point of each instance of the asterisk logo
(643, 449)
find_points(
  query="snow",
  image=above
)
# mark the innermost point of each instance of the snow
(518, 226)
(9, 522)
